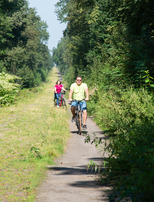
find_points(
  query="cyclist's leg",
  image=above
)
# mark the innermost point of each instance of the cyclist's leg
(57, 95)
(84, 117)
(55, 102)
(84, 109)
(73, 106)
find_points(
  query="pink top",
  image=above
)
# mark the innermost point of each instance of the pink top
(58, 88)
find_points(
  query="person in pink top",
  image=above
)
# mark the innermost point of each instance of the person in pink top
(58, 88)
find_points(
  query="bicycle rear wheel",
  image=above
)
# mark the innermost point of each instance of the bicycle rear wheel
(60, 102)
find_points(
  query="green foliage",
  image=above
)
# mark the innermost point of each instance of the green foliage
(92, 166)
(23, 39)
(35, 152)
(106, 32)
(149, 80)
(8, 88)
(127, 117)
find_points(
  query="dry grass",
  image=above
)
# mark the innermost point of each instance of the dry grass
(32, 134)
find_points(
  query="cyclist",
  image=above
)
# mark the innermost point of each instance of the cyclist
(78, 91)
(57, 93)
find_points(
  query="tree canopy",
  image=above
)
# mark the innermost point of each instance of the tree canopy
(23, 39)
(109, 39)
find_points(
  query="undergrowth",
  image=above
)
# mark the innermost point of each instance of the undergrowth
(127, 118)
(9, 88)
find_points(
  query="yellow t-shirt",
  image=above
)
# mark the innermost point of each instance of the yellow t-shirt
(78, 91)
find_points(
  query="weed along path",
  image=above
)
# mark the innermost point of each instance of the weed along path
(69, 179)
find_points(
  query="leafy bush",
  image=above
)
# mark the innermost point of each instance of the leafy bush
(8, 88)
(128, 118)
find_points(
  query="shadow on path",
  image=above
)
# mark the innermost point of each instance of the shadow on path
(84, 170)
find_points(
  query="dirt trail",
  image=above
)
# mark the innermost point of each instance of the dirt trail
(69, 179)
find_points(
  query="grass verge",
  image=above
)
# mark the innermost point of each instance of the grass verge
(32, 134)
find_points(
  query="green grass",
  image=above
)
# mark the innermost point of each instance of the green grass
(32, 134)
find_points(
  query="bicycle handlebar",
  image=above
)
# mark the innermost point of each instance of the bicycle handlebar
(77, 101)
(60, 92)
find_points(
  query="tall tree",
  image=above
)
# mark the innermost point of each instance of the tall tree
(23, 43)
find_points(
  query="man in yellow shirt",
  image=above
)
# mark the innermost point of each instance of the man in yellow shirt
(79, 91)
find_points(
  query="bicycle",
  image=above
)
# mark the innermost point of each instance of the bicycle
(62, 102)
(78, 116)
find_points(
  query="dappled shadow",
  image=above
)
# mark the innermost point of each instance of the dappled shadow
(99, 132)
(84, 184)
(84, 178)
(96, 133)
(73, 131)
(69, 171)
(107, 133)
(80, 170)
(94, 184)
(77, 132)
(100, 137)
(84, 133)
(98, 159)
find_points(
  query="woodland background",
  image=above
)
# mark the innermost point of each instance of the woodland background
(110, 43)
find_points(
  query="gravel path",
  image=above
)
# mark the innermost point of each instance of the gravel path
(69, 180)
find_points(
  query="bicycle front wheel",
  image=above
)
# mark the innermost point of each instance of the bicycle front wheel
(80, 123)
(64, 104)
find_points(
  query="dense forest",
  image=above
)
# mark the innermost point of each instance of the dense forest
(23, 48)
(110, 43)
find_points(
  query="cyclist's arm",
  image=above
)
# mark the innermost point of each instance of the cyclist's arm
(87, 94)
(70, 94)
(63, 89)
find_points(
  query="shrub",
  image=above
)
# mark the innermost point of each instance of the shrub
(128, 118)
(8, 88)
